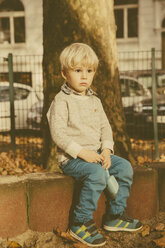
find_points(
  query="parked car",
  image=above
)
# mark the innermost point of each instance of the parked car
(144, 111)
(24, 98)
(132, 92)
(160, 82)
(35, 115)
(144, 77)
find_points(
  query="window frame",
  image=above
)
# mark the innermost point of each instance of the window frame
(125, 8)
(11, 15)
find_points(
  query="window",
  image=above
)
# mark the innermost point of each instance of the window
(135, 89)
(12, 22)
(4, 94)
(130, 88)
(126, 16)
(19, 93)
(147, 81)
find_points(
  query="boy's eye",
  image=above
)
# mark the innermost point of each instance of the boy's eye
(90, 70)
(78, 70)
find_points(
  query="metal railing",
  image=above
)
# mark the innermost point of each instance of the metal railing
(141, 77)
(21, 98)
(148, 115)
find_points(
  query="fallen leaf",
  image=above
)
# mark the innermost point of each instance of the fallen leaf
(80, 245)
(16, 164)
(13, 244)
(58, 231)
(160, 242)
(160, 227)
(4, 173)
(140, 159)
(145, 231)
(65, 235)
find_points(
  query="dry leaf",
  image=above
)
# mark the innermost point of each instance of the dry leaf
(66, 235)
(80, 245)
(145, 231)
(160, 242)
(13, 244)
(160, 227)
(4, 173)
(58, 231)
(16, 164)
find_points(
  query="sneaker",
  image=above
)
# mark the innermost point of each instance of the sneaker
(122, 223)
(87, 233)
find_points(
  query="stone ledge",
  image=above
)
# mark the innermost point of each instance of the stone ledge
(13, 212)
(42, 201)
(144, 197)
(27, 177)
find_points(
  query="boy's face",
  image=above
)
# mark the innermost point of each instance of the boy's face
(80, 78)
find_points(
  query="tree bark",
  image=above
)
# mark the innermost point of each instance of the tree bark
(91, 22)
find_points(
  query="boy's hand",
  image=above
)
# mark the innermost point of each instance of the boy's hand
(106, 163)
(90, 156)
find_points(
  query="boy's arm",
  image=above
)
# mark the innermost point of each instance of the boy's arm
(57, 119)
(106, 153)
(106, 131)
(106, 139)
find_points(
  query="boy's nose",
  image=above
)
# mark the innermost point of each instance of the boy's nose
(84, 74)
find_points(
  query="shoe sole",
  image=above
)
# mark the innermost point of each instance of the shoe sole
(83, 241)
(120, 229)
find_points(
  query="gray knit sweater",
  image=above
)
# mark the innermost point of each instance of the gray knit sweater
(78, 122)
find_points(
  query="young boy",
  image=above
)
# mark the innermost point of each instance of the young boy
(83, 135)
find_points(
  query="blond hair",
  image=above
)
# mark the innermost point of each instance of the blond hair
(78, 53)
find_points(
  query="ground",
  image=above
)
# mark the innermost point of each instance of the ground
(153, 232)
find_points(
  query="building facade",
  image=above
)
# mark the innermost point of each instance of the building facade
(140, 27)
(21, 27)
(21, 34)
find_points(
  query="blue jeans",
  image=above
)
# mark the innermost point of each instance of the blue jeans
(94, 181)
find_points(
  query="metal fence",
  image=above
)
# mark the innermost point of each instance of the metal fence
(142, 79)
(21, 106)
(143, 91)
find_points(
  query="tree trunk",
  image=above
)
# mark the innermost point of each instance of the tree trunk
(91, 22)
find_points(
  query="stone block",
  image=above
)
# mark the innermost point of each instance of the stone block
(143, 202)
(162, 189)
(49, 202)
(13, 212)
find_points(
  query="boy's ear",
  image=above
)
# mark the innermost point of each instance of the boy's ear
(63, 73)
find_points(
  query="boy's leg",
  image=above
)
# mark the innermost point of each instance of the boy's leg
(123, 172)
(94, 179)
(116, 219)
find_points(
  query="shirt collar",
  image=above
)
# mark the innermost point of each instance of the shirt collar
(66, 89)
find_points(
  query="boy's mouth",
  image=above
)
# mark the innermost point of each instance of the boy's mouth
(83, 84)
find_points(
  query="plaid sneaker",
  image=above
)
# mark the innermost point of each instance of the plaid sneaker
(122, 223)
(87, 233)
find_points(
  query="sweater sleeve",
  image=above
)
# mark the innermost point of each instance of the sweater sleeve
(106, 131)
(57, 118)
